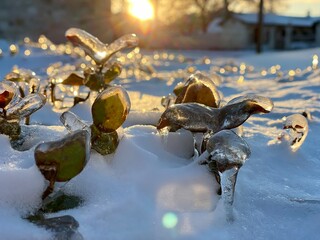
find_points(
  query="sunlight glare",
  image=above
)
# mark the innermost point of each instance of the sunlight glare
(141, 9)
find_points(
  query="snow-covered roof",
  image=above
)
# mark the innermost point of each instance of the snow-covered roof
(273, 19)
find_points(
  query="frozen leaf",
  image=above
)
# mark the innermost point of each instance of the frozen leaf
(259, 103)
(104, 143)
(199, 88)
(96, 49)
(68, 156)
(63, 159)
(9, 94)
(72, 122)
(191, 116)
(126, 41)
(178, 88)
(200, 118)
(110, 109)
(74, 78)
(26, 106)
(297, 130)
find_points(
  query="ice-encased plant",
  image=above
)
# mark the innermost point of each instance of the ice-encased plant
(295, 131)
(109, 110)
(97, 73)
(98, 76)
(198, 88)
(225, 153)
(14, 108)
(197, 117)
(61, 160)
(27, 80)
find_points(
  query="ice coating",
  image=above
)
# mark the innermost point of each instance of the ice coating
(112, 72)
(96, 49)
(72, 122)
(190, 116)
(229, 187)
(199, 88)
(9, 94)
(263, 104)
(228, 149)
(297, 130)
(200, 118)
(26, 79)
(110, 109)
(225, 153)
(217, 80)
(20, 75)
(61, 160)
(26, 106)
(126, 41)
(168, 100)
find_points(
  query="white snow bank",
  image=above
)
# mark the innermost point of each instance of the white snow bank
(150, 188)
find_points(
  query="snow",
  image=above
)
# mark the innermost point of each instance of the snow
(274, 19)
(151, 188)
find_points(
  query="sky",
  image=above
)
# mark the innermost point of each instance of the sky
(301, 7)
(290, 7)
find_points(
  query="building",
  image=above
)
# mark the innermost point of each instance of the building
(239, 31)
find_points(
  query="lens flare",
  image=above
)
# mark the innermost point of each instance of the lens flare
(169, 220)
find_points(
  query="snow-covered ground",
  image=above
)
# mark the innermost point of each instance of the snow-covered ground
(151, 189)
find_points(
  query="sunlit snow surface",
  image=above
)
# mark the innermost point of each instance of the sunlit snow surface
(151, 189)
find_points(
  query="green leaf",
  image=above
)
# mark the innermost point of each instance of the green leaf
(110, 109)
(67, 156)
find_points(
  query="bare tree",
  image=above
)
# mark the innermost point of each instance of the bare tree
(205, 8)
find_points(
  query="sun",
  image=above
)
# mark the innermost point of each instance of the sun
(141, 9)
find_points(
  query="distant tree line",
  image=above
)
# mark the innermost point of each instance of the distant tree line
(193, 15)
